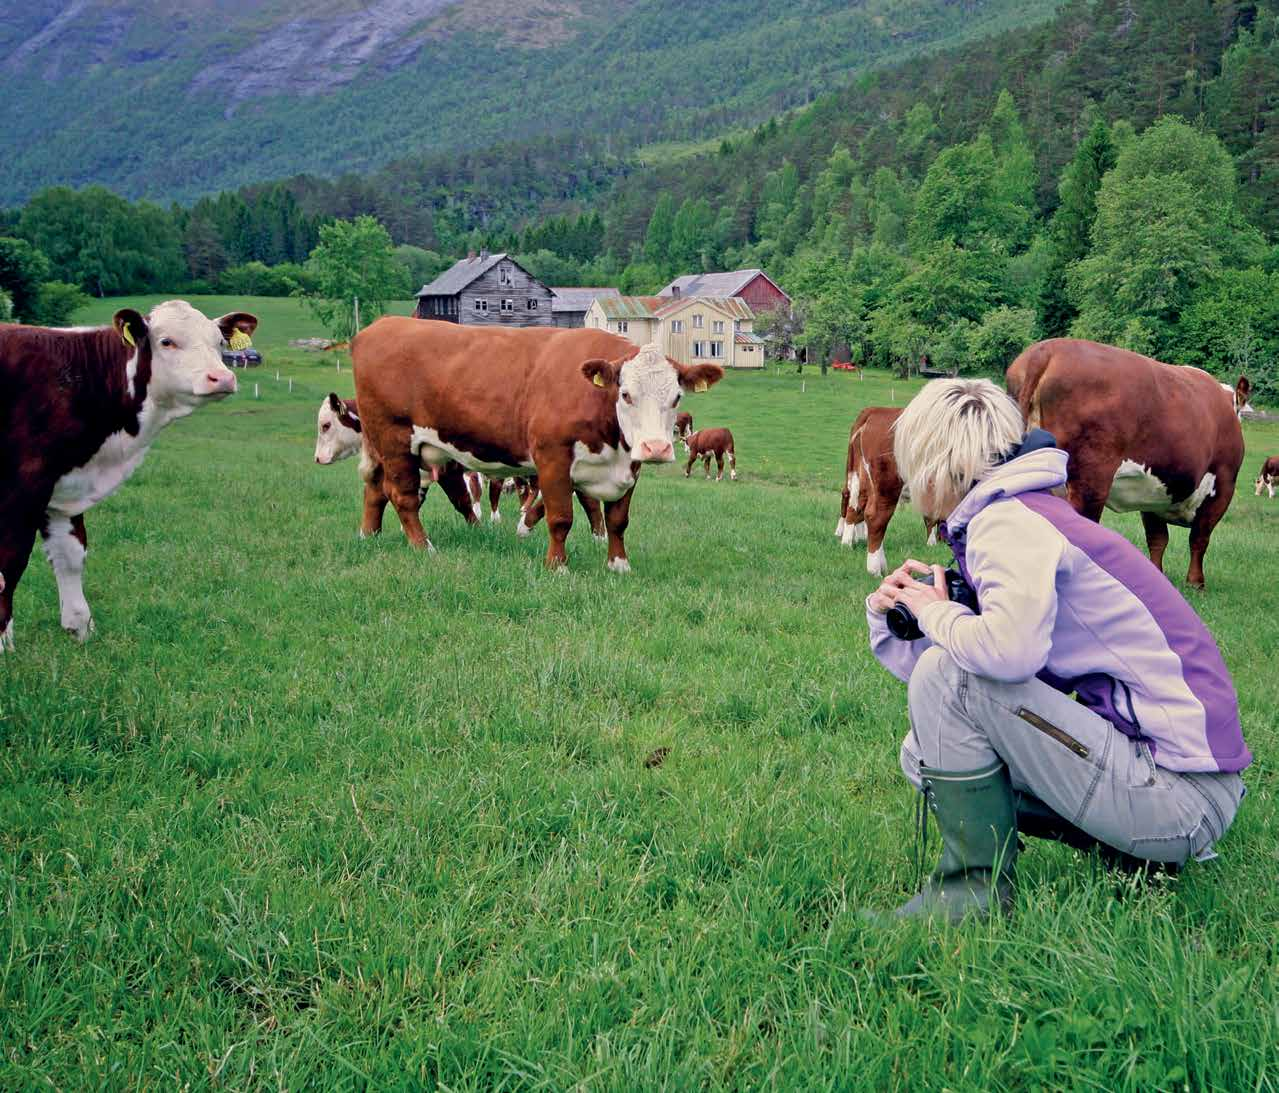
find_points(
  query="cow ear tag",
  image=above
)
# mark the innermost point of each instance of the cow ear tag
(127, 336)
(699, 387)
(598, 380)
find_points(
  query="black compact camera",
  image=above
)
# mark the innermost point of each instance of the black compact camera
(902, 623)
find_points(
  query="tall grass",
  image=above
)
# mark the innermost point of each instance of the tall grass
(310, 811)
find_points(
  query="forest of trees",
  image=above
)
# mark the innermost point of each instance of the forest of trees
(1112, 174)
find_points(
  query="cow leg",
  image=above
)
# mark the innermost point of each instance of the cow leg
(594, 513)
(876, 528)
(843, 511)
(17, 537)
(557, 497)
(456, 487)
(1156, 537)
(719, 466)
(855, 521)
(692, 458)
(617, 514)
(930, 526)
(1212, 510)
(1089, 486)
(706, 462)
(65, 545)
(495, 495)
(375, 499)
(1270, 486)
(732, 464)
(532, 513)
(403, 477)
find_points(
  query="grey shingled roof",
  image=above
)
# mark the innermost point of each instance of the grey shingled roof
(713, 284)
(578, 299)
(459, 275)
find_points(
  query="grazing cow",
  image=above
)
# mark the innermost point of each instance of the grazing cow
(1143, 436)
(340, 435)
(872, 486)
(683, 425)
(78, 410)
(580, 408)
(1239, 396)
(1268, 476)
(711, 442)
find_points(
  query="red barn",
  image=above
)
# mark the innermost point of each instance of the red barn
(752, 285)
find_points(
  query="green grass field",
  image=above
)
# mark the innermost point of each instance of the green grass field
(312, 812)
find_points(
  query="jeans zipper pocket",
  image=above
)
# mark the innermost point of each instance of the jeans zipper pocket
(1049, 729)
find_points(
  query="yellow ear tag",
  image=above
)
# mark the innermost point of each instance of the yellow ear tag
(598, 380)
(127, 335)
(699, 386)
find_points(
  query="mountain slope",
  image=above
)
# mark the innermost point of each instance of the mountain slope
(171, 103)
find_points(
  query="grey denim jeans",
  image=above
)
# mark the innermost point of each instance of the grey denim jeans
(1075, 761)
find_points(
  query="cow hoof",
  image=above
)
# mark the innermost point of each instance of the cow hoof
(877, 563)
(599, 538)
(6, 637)
(496, 518)
(733, 476)
(839, 529)
(932, 538)
(80, 629)
(522, 529)
(619, 565)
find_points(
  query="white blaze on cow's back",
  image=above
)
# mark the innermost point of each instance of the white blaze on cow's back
(1138, 489)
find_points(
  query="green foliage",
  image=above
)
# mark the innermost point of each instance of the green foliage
(1232, 326)
(1166, 222)
(259, 279)
(23, 269)
(6, 307)
(998, 338)
(56, 303)
(353, 260)
(421, 266)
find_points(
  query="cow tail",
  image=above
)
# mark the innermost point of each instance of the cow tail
(1023, 376)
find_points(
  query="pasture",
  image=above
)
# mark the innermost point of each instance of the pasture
(316, 812)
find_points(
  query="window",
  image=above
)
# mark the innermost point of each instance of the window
(737, 325)
(482, 306)
(508, 307)
(622, 326)
(717, 327)
(697, 322)
(677, 326)
(532, 304)
(717, 349)
(699, 349)
(505, 275)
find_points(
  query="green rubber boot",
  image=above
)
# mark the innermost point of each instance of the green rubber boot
(978, 823)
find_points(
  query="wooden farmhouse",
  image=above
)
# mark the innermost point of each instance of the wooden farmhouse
(754, 286)
(486, 290)
(569, 305)
(691, 330)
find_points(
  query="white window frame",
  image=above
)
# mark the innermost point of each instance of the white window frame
(505, 275)
(677, 326)
(697, 322)
(482, 306)
(623, 326)
(717, 350)
(699, 349)
(508, 307)
(532, 303)
(717, 326)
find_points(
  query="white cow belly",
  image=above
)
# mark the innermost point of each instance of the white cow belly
(1138, 489)
(427, 445)
(79, 490)
(605, 475)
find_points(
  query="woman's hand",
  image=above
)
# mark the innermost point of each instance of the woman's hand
(901, 586)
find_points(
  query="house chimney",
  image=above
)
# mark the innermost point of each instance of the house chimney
(484, 253)
(674, 290)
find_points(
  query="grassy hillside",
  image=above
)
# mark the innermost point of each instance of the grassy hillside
(314, 812)
(171, 103)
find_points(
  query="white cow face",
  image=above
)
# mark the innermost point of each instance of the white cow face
(649, 388)
(186, 351)
(337, 431)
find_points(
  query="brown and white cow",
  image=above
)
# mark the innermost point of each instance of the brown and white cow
(706, 443)
(579, 408)
(339, 435)
(872, 486)
(1143, 436)
(78, 410)
(1239, 394)
(1268, 476)
(683, 425)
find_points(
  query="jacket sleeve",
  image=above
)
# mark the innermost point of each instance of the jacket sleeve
(897, 656)
(1013, 558)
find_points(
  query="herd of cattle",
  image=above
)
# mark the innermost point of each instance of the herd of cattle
(550, 414)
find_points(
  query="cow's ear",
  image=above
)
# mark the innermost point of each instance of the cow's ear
(600, 372)
(335, 403)
(131, 327)
(236, 320)
(698, 377)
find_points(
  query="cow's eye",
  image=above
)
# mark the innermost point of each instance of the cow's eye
(626, 398)
(325, 427)
(168, 343)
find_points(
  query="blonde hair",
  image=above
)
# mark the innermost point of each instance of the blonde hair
(950, 436)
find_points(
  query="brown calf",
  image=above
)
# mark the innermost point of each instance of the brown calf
(1268, 476)
(1142, 435)
(711, 442)
(683, 425)
(582, 409)
(872, 486)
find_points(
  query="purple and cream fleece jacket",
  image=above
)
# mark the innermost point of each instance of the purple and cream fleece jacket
(1076, 605)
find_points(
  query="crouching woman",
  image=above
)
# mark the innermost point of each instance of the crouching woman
(1144, 763)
